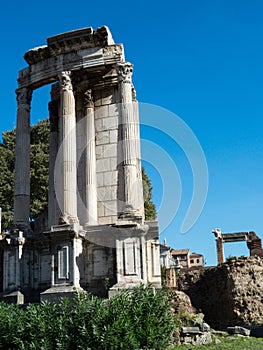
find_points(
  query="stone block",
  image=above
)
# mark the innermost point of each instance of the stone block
(100, 179)
(110, 123)
(106, 193)
(107, 220)
(109, 150)
(113, 110)
(99, 151)
(100, 208)
(110, 208)
(102, 138)
(110, 178)
(113, 136)
(103, 165)
(98, 125)
(101, 112)
(113, 163)
(54, 294)
(15, 297)
(190, 330)
(238, 330)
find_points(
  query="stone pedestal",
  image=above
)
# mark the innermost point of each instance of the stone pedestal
(15, 297)
(12, 279)
(66, 252)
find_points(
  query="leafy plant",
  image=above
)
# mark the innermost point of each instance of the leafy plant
(133, 319)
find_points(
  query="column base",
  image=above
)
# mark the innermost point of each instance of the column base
(124, 284)
(131, 214)
(54, 294)
(15, 297)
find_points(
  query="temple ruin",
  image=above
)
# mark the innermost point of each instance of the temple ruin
(254, 243)
(95, 229)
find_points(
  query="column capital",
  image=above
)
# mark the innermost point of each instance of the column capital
(65, 82)
(88, 99)
(125, 70)
(24, 96)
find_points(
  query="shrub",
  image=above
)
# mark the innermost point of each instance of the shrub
(132, 319)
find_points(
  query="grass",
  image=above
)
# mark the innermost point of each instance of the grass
(228, 343)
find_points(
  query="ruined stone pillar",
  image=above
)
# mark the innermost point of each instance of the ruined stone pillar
(90, 158)
(67, 154)
(53, 210)
(220, 250)
(22, 162)
(130, 144)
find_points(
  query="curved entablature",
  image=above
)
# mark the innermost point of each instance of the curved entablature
(72, 51)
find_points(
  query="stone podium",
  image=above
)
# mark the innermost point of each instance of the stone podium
(95, 230)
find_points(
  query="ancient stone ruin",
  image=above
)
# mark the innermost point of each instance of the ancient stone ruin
(229, 294)
(254, 243)
(94, 237)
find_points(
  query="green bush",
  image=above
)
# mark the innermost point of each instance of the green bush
(132, 319)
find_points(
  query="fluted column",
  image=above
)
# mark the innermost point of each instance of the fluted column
(22, 162)
(67, 154)
(90, 159)
(130, 143)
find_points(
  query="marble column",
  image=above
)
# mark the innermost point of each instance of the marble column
(22, 162)
(130, 143)
(67, 155)
(90, 159)
(53, 210)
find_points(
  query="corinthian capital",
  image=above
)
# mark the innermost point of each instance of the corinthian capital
(88, 98)
(125, 72)
(65, 81)
(23, 96)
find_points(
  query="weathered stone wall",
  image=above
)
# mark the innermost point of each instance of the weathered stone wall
(229, 294)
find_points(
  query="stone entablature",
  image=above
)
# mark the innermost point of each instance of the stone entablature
(72, 51)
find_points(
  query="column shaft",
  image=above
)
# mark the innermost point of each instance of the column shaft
(130, 144)
(22, 162)
(67, 154)
(220, 250)
(53, 210)
(90, 159)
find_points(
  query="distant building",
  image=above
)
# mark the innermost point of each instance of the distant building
(183, 255)
(196, 260)
(186, 259)
(166, 258)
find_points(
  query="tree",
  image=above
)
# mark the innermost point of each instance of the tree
(7, 157)
(149, 207)
(39, 159)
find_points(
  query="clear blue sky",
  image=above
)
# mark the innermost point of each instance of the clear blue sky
(201, 60)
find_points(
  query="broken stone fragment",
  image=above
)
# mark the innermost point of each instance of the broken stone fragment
(238, 330)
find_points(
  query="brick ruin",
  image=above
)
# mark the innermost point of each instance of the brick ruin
(229, 294)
